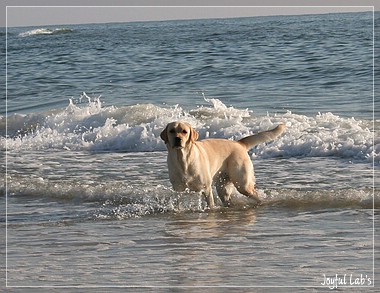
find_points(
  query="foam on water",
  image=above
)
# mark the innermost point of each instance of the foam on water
(172, 202)
(87, 125)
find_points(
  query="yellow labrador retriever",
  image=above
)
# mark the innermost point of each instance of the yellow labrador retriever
(197, 164)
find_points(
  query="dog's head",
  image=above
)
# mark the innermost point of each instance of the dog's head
(178, 135)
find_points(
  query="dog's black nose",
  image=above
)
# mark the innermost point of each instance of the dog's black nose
(177, 141)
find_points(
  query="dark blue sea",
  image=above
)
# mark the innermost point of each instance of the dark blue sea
(89, 205)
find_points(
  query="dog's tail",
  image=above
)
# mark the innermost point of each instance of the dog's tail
(265, 136)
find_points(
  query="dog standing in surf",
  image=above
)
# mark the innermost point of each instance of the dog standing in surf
(196, 165)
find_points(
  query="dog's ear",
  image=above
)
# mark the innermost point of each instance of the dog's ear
(193, 134)
(164, 135)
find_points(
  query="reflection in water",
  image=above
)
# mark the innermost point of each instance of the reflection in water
(203, 241)
(219, 223)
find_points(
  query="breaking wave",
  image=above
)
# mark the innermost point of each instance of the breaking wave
(85, 124)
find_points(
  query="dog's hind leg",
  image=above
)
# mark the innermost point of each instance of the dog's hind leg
(244, 181)
(249, 190)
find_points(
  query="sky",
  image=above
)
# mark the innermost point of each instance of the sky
(39, 16)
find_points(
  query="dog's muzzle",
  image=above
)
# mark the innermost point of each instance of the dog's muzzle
(177, 142)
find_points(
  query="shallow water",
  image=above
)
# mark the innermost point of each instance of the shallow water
(237, 247)
(68, 226)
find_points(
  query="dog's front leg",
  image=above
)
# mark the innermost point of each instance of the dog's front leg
(209, 197)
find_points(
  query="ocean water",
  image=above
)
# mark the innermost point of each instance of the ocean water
(89, 205)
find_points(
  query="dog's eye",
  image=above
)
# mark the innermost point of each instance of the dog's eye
(172, 131)
(184, 131)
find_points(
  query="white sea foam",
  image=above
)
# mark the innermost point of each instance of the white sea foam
(91, 126)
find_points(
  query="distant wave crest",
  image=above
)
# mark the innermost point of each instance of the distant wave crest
(45, 31)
